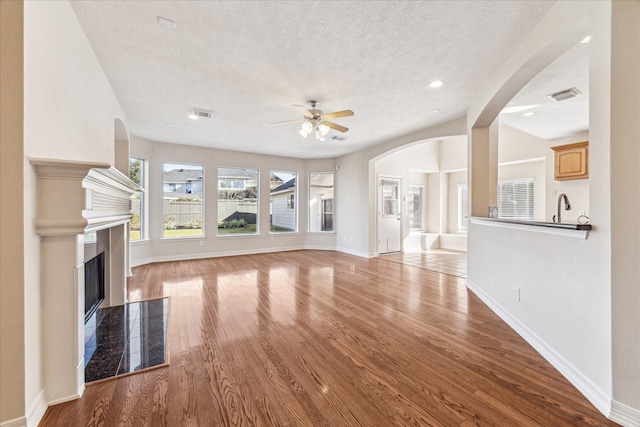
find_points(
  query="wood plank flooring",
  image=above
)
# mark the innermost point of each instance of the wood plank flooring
(441, 260)
(319, 338)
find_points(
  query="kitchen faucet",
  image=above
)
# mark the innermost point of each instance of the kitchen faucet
(567, 206)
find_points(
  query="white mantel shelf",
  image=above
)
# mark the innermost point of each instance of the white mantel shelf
(75, 197)
(574, 230)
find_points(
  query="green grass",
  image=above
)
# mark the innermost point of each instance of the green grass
(276, 229)
(134, 235)
(249, 229)
(183, 233)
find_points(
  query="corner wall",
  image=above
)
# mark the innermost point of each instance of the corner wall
(69, 113)
(12, 291)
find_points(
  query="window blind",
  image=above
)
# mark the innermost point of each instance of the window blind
(515, 199)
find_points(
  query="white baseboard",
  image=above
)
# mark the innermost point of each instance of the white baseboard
(37, 410)
(624, 414)
(593, 393)
(354, 252)
(16, 422)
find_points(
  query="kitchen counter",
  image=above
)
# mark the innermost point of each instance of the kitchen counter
(565, 228)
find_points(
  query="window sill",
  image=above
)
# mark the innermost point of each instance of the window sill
(175, 239)
(322, 233)
(140, 241)
(237, 236)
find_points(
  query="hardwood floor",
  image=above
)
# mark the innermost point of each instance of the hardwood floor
(443, 261)
(315, 338)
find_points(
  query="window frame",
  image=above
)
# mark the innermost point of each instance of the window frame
(291, 203)
(144, 211)
(411, 205)
(202, 200)
(310, 221)
(234, 188)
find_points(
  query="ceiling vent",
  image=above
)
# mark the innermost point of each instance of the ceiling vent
(338, 138)
(196, 113)
(565, 94)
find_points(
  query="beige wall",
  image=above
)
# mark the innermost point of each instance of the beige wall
(12, 290)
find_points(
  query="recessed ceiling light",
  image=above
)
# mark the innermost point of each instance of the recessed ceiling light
(435, 110)
(169, 124)
(586, 40)
(436, 84)
(167, 23)
(528, 114)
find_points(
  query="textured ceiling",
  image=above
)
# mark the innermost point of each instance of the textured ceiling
(249, 61)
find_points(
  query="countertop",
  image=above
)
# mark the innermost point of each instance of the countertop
(566, 225)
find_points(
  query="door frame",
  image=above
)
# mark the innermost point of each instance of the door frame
(379, 178)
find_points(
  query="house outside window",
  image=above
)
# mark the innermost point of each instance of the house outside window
(284, 215)
(183, 200)
(237, 201)
(137, 173)
(321, 202)
(415, 207)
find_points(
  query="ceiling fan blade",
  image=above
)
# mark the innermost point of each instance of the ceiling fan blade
(288, 121)
(303, 110)
(345, 113)
(337, 127)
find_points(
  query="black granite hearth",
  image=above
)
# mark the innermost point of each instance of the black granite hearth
(126, 338)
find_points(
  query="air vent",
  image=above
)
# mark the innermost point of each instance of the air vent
(196, 113)
(203, 113)
(565, 94)
(338, 138)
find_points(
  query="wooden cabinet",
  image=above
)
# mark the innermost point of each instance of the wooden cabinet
(572, 161)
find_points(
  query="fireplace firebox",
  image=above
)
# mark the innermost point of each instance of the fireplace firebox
(93, 284)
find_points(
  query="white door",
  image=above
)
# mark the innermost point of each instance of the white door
(389, 215)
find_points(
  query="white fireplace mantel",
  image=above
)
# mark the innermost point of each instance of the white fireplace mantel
(75, 198)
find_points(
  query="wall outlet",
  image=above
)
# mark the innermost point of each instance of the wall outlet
(201, 242)
(516, 293)
(580, 212)
(554, 192)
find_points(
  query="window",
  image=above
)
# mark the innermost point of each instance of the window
(390, 199)
(137, 226)
(283, 205)
(463, 207)
(321, 202)
(515, 199)
(415, 207)
(183, 200)
(237, 201)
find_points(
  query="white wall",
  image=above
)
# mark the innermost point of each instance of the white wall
(579, 298)
(69, 113)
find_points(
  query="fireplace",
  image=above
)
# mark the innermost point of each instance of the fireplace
(93, 284)
(83, 214)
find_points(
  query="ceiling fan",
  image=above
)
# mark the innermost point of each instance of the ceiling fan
(315, 120)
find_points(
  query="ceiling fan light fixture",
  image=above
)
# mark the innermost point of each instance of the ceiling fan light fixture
(303, 133)
(307, 127)
(324, 129)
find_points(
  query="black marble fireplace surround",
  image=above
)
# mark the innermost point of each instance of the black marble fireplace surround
(125, 339)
